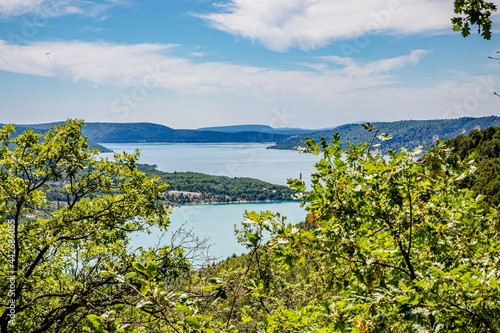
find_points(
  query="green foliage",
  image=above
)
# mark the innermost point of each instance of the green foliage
(57, 252)
(484, 147)
(20, 129)
(107, 323)
(266, 287)
(157, 306)
(402, 247)
(473, 12)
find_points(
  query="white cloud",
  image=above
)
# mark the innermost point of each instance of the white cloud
(154, 64)
(17, 7)
(325, 91)
(379, 66)
(334, 89)
(198, 54)
(52, 8)
(310, 24)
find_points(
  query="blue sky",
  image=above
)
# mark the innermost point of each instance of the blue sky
(284, 63)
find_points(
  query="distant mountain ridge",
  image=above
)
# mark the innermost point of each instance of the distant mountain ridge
(406, 133)
(149, 132)
(21, 128)
(258, 128)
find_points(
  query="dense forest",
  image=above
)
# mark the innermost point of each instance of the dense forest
(197, 188)
(390, 243)
(148, 132)
(406, 133)
(207, 188)
(485, 147)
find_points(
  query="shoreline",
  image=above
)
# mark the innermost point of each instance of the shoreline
(235, 203)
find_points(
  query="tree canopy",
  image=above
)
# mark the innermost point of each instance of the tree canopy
(401, 246)
(484, 145)
(52, 255)
(473, 12)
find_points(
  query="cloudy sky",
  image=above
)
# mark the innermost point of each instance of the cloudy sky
(284, 63)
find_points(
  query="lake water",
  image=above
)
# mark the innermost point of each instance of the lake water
(227, 159)
(224, 159)
(216, 222)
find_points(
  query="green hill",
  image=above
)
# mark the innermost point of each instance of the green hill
(258, 128)
(149, 132)
(486, 143)
(93, 145)
(406, 133)
(192, 187)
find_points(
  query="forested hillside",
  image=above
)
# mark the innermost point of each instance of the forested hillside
(406, 133)
(148, 132)
(258, 128)
(486, 144)
(203, 188)
(197, 188)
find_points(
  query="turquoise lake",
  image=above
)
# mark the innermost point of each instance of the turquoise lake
(217, 221)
